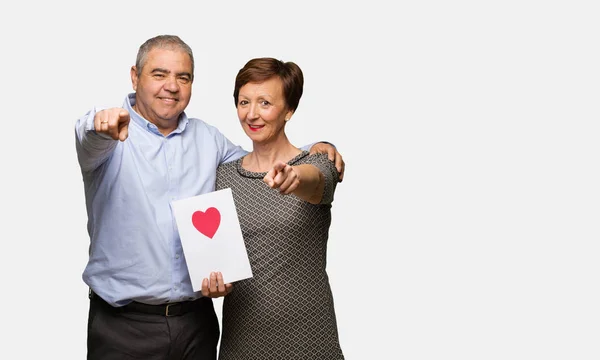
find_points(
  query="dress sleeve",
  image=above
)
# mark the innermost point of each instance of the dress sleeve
(327, 168)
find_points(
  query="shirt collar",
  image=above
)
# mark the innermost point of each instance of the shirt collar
(145, 124)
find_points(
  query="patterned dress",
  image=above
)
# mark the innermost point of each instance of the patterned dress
(285, 311)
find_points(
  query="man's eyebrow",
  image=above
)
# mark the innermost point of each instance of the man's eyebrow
(160, 70)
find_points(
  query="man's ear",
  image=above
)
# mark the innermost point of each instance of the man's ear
(134, 77)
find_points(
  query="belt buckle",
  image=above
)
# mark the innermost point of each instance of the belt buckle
(167, 309)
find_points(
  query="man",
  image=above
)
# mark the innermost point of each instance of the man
(135, 161)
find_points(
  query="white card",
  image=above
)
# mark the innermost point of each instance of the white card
(211, 237)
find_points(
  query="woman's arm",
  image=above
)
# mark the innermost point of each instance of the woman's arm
(305, 181)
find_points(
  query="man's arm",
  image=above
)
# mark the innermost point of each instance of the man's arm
(231, 151)
(97, 134)
(228, 150)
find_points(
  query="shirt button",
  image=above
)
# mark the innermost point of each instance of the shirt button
(176, 256)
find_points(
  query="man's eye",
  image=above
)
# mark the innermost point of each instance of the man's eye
(265, 103)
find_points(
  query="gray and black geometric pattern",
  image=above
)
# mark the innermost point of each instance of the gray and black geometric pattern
(286, 310)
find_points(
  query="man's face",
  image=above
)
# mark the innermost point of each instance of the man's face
(164, 88)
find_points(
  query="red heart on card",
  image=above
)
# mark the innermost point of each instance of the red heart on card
(207, 222)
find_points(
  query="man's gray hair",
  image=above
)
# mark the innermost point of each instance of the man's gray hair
(170, 42)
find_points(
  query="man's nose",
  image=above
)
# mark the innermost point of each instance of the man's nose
(171, 84)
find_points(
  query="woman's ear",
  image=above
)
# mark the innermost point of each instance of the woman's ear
(288, 115)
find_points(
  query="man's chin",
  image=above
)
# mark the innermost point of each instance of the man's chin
(170, 117)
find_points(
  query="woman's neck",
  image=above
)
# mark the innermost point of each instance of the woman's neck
(263, 156)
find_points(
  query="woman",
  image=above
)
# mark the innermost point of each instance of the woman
(283, 198)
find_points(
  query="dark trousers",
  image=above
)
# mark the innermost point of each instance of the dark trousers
(114, 334)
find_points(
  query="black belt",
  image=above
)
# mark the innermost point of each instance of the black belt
(173, 309)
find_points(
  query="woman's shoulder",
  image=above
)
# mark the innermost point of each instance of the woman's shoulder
(317, 158)
(228, 166)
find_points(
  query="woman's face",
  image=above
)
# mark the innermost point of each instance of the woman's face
(262, 110)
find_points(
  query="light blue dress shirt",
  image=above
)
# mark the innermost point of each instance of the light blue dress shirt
(135, 251)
